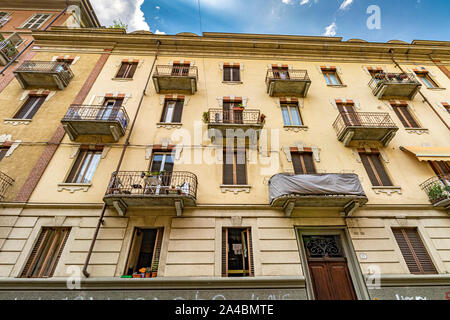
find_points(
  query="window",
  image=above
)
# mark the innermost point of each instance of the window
(145, 251)
(231, 73)
(4, 18)
(405, 116)
(280, 73)
(303, 162)
(291, 115)
(232, 112)
(375, 169)
(36, 21)
(30, 107)
(234, 167)
(426, 79)
(84, 166)
(237, 252)
(110, 109)
(331, 77)
(67, 61)
(441, 168)
(162, 161)
(172, 111)
(46, 253)
(3, 151)
(180, 69)
(413, 251)
(127, 70)
(446, 106)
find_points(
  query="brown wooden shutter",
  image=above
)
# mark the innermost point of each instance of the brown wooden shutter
(178, 111)
(309, 163)
(46, 253)
(76, 166)
(236, 74)
(122, 70)
(413, 251)
(241, 167)
(298, 169)
(226, 74)
(228, 168)
(132, 70)
(224, 252)
(250, 251)
(134, 252)
(405, 117)
(380, 170)
(375, 169)
(32, 100)
(157, 251)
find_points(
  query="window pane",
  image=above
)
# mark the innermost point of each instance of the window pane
(327, 79)
(92, 166)
(333, 78)
(286, 118)
(169, 113)
(156, 163)
(295, 115)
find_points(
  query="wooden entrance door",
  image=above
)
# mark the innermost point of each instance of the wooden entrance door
(349, 114)
(328, 268)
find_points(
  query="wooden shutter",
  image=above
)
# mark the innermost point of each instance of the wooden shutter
(226, 73)
(405, 117)
(236, 73)
(224, 252)
(303, 163)
(380, 170)
(250, 252)
(228, 168)
(46, 253)
(30, 107)
(375, 169)
(76, 166)
(309, 163)
(413, 251)
(157, 251)
(3, 151)
(441, 168)
(178, 111)
(133, 256)
(132, 70)
(241, 167)
(122, 70)
(298, 169)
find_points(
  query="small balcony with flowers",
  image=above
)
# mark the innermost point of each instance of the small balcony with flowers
(394, 85)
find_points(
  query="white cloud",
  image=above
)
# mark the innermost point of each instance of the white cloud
(303, 2)
(287, 1)
(330, 31)
(345, 4)
(129, 11)
(159, 32)
(158, 7)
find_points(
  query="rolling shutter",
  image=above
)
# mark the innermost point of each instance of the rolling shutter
(224, 252)
(413, 251)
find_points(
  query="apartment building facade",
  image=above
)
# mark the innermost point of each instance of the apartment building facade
(237, 166)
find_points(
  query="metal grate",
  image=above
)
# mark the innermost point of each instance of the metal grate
(78, 112)
(382, 78)
(362, 119)
(5, 183)
(293, 75)
(437, 188)
(176, 71)
(246, 116)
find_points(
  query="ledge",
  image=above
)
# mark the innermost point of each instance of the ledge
(296, 128)
(437, 89)
(72, 187)
(417, 130)
(122, 79)
(337, 85)
(169, 125)
(387, 189)
(156, 283)
(16, 122)
(232, 82)
(235, 188)
(410, 280)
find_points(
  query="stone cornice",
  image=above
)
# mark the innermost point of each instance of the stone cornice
(401, 280)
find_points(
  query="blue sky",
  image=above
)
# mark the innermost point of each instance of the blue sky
(400, 19)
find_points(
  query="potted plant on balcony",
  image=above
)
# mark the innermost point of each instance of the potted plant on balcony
(380, 76)
(238, 107)
(205, 117)
(391, 76)
(435, 193)
(262, 118)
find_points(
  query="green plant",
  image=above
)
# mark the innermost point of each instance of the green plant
(152, 173)
(155, 265)
(118, 24)
(435, 192)
(205, 117)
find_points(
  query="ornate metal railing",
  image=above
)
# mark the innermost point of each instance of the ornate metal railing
(391, 78)
(362, 119)
(46, 67)
(437, 188)
(5, 183)
(78, 112)
(8, 47)
(176, 71)
(245, 116)
(181, 183)
(294, 75)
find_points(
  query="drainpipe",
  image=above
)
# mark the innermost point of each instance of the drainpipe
(126, 144)
(31, 42)
(391, 51)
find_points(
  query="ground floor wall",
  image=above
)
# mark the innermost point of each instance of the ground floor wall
(191, 251)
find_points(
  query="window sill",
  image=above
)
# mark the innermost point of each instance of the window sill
(417, 130)
(337, 85)
(235, 188)
(16, 122)
(387, 189)
(72, 187)
(437, 89)
(296, 128)
(122, 79)
(232, 82)
(169, 125)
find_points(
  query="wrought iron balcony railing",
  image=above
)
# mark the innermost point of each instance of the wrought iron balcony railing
(97, 113)
(5, 183)
(176, 71)
(294, 75)
(438, 190)
(363, 120)
(144, 183)
(8, 47)
(44, 73)
(244, 117)
(403, 84)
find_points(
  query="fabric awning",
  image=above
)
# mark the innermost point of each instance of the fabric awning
(429, 153)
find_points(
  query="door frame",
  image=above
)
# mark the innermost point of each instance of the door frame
(353, 265)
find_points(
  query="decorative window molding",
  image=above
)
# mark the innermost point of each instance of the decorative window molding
(16, 122)
(299, 101)
(6, 140)
(39, 92)
(295, 128)
(235, 188)
(235, 64)
(67, 57)
(280, 65)
(116, 95)
(300, 148)
(163, 98)
(418, 131)
(334, 102)
(73, 187)
(232, 98)
(367, 69)
(389, 190)
(369, 149)
(169, 125)
(139, 62)
(191, 63)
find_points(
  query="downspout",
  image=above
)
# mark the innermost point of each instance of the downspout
(31, 42)
(126, 144)
(391, 51)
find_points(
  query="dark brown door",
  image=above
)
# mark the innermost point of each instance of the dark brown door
(328, 268)
(349, 114)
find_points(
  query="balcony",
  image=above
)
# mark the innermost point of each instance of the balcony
(289, 83)
(5, 183)
(342, 191)
(8, 48)
(438, 190)
(394, 86)
(82, 120)
(364, 126)
(131, 189)
(44, 74)
(175, 79)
